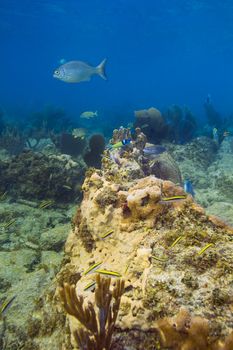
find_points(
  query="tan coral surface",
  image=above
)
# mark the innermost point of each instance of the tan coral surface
(160, 276)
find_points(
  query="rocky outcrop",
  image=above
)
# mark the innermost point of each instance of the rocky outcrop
(170, 255)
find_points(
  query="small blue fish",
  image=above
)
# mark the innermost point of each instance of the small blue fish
(188, 187)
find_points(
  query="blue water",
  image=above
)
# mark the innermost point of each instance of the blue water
(158, 52)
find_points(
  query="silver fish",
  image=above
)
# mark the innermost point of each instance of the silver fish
(153, 150)
(77, 71)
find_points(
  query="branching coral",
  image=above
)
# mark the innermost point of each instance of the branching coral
(99, 326)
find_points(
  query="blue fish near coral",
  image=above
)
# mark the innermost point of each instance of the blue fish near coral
(188, 187)
(120, 144)
(153, 150)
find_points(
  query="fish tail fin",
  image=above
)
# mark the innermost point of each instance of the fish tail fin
(96, 113)
(101, 69)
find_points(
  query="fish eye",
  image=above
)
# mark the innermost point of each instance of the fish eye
(56, 72)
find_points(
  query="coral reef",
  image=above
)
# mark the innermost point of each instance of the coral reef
(181, 124)
(33, 175)
(68, 144)
(160, 277)
(51, 119)
(92, 157)
(130, 162)
(190, 333)
(152, 123)
(213, 117)
(176, 125)
(210, 170)
(175, 259)
(12, 140)
(99, 326)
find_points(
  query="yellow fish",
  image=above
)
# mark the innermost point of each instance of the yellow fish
(176, 241)
(173, 198)
(159, 259)
(108, 273)
(9, 223)
(46, 204)
(79, 133)
(89, 286)
(6, 305)
(107, 234)
(89, 115)
(3, 196)
(92, 267)
(204, 248)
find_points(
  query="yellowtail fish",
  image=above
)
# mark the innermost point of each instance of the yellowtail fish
(88, 114)
(89, 286)
(127, 267)
(159, 259)
(108, 233)
(3, 196)
(108, 273)
(92, 267)
(176, 241)
(46, 204)
(6, 305)
(204, 248)
(173, 198)
(9, 223)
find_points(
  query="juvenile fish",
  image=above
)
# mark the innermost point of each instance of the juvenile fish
(3, 196)
(9, 223)
(159, 259)
(46, 204)
(204, 248)
(92, 267)
(89, 286)
(108, 273)
(7, 303)
(173, 198)
(176, 241)
(108, 233)
(78, 71)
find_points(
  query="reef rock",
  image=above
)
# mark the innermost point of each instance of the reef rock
(176, 261)
(170, 254)
(33, 175)
(152, 123)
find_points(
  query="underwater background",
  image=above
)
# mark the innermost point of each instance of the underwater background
(116, 135)
(158, 53)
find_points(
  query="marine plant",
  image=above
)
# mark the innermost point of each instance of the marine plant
(98, 321)
(51, 118)
(13, 140)
(213, 117)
